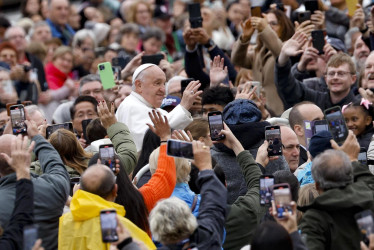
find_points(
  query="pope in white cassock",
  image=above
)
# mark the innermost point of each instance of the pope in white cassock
(148, 84)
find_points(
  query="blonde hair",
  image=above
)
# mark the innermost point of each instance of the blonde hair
(131, 17)
(307, 194)
(171, 221)
(70, 150)
(62, 50)
(183, 167)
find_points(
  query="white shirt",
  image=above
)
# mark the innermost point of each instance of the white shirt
(134, 110)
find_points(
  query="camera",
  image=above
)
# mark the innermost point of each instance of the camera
(26, 68)
(101, 67)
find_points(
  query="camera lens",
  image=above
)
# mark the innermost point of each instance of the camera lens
(101, 67)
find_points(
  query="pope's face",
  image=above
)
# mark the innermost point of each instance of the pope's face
(151, 85)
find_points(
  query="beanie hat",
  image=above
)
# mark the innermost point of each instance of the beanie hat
(319, 143)
(241, 111)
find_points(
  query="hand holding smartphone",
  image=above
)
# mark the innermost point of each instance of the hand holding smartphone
(30, 236)
(266, 182)
(337, 126)
(318, 40)
(108, 222)
(365, 223)
(179, 149)
(106, 75)
(53, 128)
(282, 199)
(196, 20)
(215, 125)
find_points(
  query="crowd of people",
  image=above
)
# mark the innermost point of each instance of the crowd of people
(263, 70)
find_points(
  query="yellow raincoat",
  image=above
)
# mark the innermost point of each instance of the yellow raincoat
(80, 228)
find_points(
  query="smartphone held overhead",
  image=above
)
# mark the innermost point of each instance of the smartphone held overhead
(273, 136)
(337, 126)
(266, 183)
(106, 75)
(215, 125)
(18, 118)
(179, 149)
(107, 156)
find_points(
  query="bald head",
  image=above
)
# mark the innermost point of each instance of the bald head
(291, 147)
(5, 142)
(99, 179)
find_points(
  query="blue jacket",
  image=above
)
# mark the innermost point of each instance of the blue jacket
(57, 32)
(183, 192)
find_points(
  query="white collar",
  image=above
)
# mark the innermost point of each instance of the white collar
(141, 98)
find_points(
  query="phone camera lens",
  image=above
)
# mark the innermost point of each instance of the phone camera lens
(101, 67)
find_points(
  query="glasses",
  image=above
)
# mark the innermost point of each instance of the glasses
(290, 147)
(16, 36)
(340, 74)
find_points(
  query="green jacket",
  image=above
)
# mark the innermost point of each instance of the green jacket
(329, 222)
(246, 211)
(124, 145)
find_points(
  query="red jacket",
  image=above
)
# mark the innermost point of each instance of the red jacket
(55, 77)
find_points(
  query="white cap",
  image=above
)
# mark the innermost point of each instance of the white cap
(140, 69)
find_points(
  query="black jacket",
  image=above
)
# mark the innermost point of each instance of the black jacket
(292, 91)
(23, 214)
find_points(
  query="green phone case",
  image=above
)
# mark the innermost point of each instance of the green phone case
(106, 75)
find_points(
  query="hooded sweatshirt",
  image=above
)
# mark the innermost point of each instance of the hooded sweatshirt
(80, 228)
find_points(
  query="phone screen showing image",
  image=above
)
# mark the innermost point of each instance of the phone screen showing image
(181, 149)
(273, 136)
(265, 193)
(30, 235)
(17, 114)
(337, 126)
(108, 223)
(365, 223)
(215, 125)
(282, 199)
(107, 156)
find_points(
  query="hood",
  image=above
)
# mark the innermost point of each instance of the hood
(251, 135)
(85, 205)
(356, 195)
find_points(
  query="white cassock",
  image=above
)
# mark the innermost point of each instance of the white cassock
(134, 110)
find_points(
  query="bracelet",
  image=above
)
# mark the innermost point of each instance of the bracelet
(124, 243)
(163, 142)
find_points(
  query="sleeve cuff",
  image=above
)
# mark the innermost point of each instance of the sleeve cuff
(191, 51)
(185, 110)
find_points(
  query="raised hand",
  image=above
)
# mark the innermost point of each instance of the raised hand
(246, 92)
(292, 47)
(20, 156)
(309, 55)
(190, 94)
(305, 27)
(318, 19)
(218, 71)
(230, 140)
(107, 117)
(248, 30)
(160, 126)
(288, 221)
(132, 65)
(358, 18)
(259, 23)
(187, 36)
(202, 158)
(181, 135)
(262, 156)
(350, 146)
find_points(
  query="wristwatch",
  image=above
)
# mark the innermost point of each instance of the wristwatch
(209, 44)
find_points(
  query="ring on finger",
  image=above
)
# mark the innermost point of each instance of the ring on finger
(205, 147)
(192, 92)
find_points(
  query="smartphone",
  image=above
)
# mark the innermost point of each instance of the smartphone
(196, 20)
(155, 59)
(18, 118)
(318, 40)
(311, 5)
(273, 136)
(73, 181)
(120, 62)
(215, 125)
(84, 129)
(256, 11)
(184, 83)
(320, 125)
(180, 149)
(53, 128)
(108, 223)
(362, 156)
(30, 236)
(351, 6)
(106, 75)
(303, 16)
(258, 85)
(282, 198)
(365, 223)
(107, 156)
(266, 181)
(337, 125)
(25, 103)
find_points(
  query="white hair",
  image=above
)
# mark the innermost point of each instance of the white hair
(171, 221)
(82, 35)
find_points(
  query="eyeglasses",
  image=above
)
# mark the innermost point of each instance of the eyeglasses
(340, 74)
(290, 147)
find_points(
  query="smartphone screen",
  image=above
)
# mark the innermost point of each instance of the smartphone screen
(318, 40)
(55, 127)
(30, 235)
(365, 223)
(155, 59)
(282, 199)
(273, 136)
(108, 224)
(215, 125)
(106, 75)
(362, 156)
(107, 156)
(17, 115)
(258, 85)
(180, 149)
(266, 181)
(336, 122)
(311, 5)
(319, 126)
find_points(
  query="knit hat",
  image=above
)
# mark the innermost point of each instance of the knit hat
(140, 69)
(241, 111)
(319, 143)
